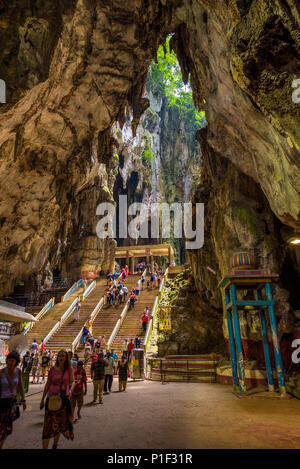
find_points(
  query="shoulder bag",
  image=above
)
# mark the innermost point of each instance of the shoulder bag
(55, 402)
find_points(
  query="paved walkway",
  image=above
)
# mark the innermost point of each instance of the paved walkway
(173, 415)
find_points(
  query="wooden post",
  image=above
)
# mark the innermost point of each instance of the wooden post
(152, 263)
(127, 259)
(265, 344)
(275, 339)
(231, 342)
(238, 341)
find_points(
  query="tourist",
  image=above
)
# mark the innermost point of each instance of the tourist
(111, 296)
(152, 280)
(130, 348)
(121, 296)
(158, 281)
(35, 367)
(97, 375)
(45, 365)
(143, 283)
(87, 353)
(108, 372)
(137, 341)
(104, 345)
(116, 297)
(34, 346)
(125, 290)
(125, 348)
(74, 360)
(85, 334)
(137, 291)
(10, 385)
(58, 412)
(114, 356)
(148, 284)
(123, 373)
(145, 319)
(93, 359)
(78, 392)
(89, 326)
(77, 310)
(126, 270)
(131, 300)
(26, 369)
(91, 341)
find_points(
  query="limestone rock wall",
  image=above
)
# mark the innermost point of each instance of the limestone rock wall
(90, 64)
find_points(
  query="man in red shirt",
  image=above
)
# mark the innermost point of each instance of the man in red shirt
(130, 348)
(78, 392)
(144, 320)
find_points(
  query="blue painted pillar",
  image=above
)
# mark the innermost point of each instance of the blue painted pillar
(238, 341)
(265, 344)
(275, 339)
(231, 343)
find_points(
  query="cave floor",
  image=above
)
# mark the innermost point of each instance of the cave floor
(173, 415)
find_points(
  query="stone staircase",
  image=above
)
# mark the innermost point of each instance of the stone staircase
(191, 368)
(108, 316)
(45, 324)
(65, 336)
(132, 324)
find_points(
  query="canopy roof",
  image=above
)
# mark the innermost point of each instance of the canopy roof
(144, 251)
(14, 313)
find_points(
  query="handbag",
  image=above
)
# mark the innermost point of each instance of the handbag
(55, 402)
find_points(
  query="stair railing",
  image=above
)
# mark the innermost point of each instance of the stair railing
(72, 289)
(92, 317)
(62, 320)
(122, 317)
(154, 311)
(40, 315)
(89, 289)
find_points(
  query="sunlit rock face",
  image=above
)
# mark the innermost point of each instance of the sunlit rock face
(75, 85)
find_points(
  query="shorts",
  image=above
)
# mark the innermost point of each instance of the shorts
(77, 397)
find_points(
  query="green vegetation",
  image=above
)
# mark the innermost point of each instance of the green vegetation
(147, 153)
(165, 79)
(245, 217)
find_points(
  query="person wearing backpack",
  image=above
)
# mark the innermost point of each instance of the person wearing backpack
(10, 385)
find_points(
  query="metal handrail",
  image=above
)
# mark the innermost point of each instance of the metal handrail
(72, 289)
(154, 312)
(91, 319)
(122, 317)
(40, 315)
(89, 289)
